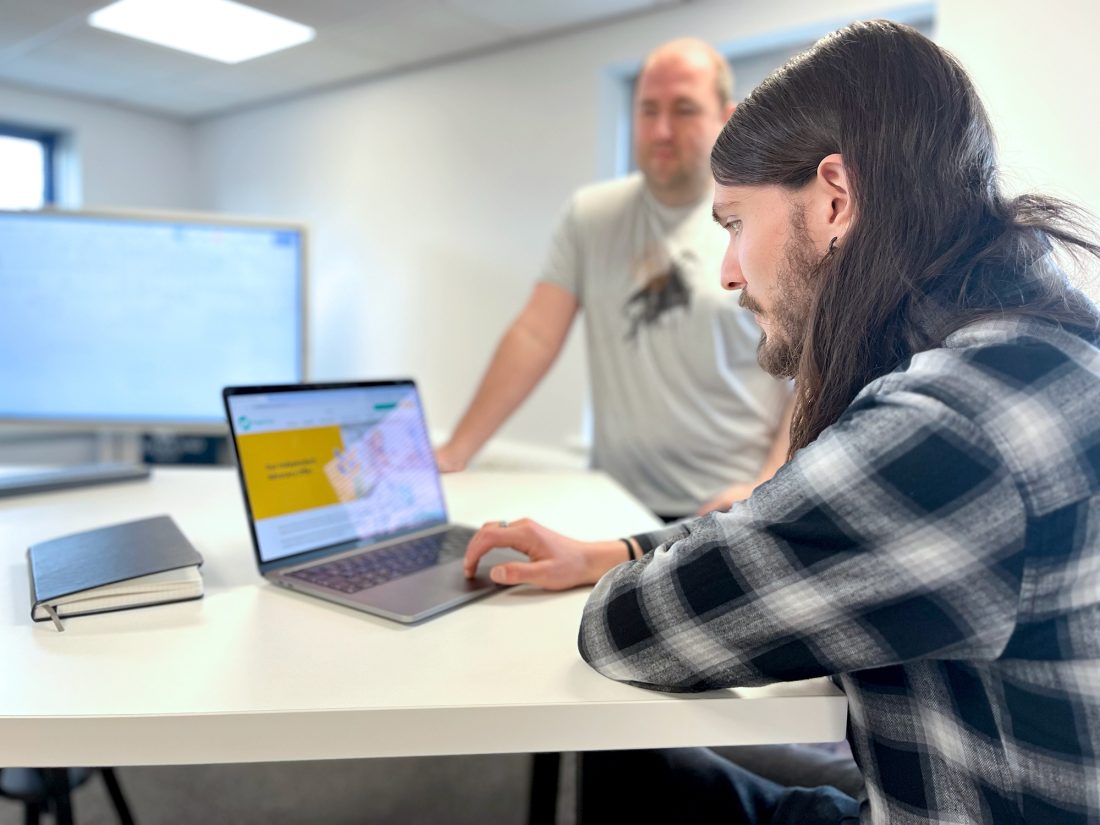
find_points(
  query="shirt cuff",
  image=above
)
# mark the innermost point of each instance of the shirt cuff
(674, 531)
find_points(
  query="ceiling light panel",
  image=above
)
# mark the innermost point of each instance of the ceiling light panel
(216, 29)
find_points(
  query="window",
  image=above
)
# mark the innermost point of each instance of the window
(26, 168)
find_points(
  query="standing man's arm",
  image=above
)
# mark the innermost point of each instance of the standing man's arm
(524, 354)
(777, 457)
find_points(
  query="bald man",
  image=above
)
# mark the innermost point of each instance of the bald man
(683, 416)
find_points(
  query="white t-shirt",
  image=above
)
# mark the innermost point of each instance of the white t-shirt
(681, 409)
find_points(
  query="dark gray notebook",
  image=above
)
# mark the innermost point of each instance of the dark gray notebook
(137, 563)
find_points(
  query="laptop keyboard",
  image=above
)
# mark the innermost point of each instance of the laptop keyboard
(355, 573)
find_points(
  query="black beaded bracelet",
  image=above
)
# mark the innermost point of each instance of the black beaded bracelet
(629, 549)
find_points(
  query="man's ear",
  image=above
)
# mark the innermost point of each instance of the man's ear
(833, 201)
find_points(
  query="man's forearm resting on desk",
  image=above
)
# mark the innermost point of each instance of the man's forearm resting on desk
(556, 562)
(524, 354)
(776, 458)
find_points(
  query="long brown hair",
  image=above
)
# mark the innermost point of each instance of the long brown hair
(932, 225)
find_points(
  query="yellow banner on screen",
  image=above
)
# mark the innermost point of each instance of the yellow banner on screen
(285, 470)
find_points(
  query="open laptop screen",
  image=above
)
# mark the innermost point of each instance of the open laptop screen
(326, 466)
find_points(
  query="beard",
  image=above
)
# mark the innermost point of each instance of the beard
(678, 178)
(780, 352)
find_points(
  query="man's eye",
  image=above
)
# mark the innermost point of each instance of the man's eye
(733, 225)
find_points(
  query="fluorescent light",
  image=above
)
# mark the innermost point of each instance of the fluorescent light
(217, 29)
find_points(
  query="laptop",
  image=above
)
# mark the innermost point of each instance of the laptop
(344, 499)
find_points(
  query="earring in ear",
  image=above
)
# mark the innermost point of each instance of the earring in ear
(832, 247)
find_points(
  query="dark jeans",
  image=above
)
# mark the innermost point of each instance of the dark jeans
(697, 785)
(806, 766)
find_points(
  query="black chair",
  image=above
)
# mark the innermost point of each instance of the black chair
(46, 790)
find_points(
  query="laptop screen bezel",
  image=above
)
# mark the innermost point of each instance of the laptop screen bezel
(317, 553)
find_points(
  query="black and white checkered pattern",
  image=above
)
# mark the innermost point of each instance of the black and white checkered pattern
(937, 550)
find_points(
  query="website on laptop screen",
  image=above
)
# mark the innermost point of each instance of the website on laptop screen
(328, 466)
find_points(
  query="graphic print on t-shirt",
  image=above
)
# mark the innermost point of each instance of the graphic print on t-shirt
(660, 269)
(661, 294)
(663, 288)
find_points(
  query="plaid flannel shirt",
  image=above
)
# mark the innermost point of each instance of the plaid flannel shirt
(937, 550)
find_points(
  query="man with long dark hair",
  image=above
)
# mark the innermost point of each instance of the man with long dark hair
(933, 543)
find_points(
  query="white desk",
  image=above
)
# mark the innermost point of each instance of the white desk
(256, 673)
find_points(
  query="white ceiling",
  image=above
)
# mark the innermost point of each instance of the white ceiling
(48, 45)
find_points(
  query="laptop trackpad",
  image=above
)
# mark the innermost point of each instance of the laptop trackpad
(436, 588)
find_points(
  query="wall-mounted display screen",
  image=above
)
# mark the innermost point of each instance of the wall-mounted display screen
(142, 319)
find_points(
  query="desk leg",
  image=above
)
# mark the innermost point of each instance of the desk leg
(543, 809)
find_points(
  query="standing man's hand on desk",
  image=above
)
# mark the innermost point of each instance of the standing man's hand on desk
(557, 562)
(777, 457)
(448, 460)
(529, 346)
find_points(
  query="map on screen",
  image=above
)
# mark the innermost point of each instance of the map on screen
(385, 470)
(326, 466)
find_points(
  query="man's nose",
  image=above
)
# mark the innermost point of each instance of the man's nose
(662, 127)
(731, 272)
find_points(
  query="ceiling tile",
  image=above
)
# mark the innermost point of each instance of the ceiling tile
(326, 13)
(63, 77)
(415, 32)
(178, 100)
(26, 24)
(288, 71)
(529, 18)
(104, 53)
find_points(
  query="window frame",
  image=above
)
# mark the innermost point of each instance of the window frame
(48, 141)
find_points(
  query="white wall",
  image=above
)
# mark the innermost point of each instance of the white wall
(114, 156)
(431, 196)
(1036, 67)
